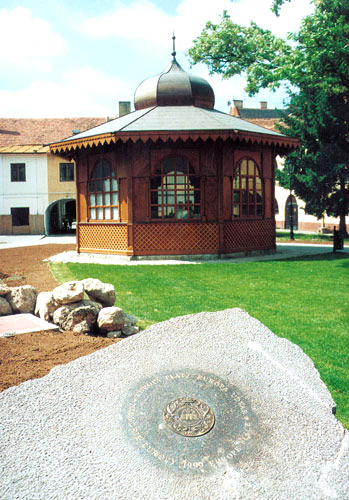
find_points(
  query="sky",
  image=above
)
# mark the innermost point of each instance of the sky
(74, 58)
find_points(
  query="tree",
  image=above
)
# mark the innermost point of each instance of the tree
(312, 64)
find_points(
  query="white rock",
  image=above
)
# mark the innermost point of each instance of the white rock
(111, 318)
(70, 315)
(22, 299)
(5, 308)
(69, 292)
(45, 306)
(82, 328)
(99, 291)
(4, 289)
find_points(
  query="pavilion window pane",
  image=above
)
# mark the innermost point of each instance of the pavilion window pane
(107, 213)
(99, 185)
(92, 199)
(244, 210)
(106, 198)
(243, 183)
(106, 185)
(115, 212)
(259, 210)
(92, 186)
(99, 199)
(182, 212)
(236, 183)
(169, 180)
(243, 167)
(114, 198)
(92, 213)
(236, 197)
(181, 198)
(100, 213)
(169, 212)
(244, 196)
(251, 166)
(236, 210)
(114, 184)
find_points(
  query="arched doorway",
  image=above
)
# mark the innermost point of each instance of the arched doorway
(60, 216)
(291, 209)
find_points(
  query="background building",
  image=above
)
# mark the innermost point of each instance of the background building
(37, 189)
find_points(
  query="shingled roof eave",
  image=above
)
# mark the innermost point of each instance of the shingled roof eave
(279, 141)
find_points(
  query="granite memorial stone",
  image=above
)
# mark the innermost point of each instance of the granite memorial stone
(211, 406)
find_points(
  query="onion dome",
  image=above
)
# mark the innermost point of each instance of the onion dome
(174, 87)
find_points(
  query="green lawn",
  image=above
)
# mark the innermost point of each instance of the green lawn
(304, 300)
(284, 235)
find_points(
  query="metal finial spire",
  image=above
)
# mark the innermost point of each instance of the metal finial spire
(174, 47)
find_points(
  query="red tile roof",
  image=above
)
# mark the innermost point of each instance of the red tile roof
(22, 131)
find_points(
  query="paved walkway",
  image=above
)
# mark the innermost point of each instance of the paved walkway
(284, 251)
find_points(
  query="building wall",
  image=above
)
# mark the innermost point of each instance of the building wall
(31, 193)
(306, 222)
(58, 189)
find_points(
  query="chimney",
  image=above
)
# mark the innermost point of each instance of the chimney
(263, 105)
(124, 108)
(238, 104)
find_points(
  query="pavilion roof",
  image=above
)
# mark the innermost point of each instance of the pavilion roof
(173, 122)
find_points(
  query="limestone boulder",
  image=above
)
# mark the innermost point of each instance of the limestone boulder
(82, 328)
(4, 289)
(111, 319)
(60, 315)
(46, 306)
(69, 316)
(69, 292)
(5, 308)
(22, 299)
(99, 291)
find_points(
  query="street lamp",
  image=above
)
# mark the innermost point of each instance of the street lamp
(291, 172)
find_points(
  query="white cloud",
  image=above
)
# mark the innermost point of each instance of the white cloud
(27, 41)
(83, 92)
(143, 21)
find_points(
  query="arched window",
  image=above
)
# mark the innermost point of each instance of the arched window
(247, 190)
(103, 196)
(175, 191)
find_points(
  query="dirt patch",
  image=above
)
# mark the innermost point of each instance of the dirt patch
(33, 355)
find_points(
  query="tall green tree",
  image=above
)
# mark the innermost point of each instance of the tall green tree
(313, 66)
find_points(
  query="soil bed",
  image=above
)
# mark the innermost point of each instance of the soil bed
(33, 355)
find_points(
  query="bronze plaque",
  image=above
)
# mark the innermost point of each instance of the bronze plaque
(188, 417)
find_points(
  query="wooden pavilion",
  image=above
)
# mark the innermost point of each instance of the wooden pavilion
(176, 176)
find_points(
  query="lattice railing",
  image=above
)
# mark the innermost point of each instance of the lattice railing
(249, 235)
(99, 237)
(173, 238)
